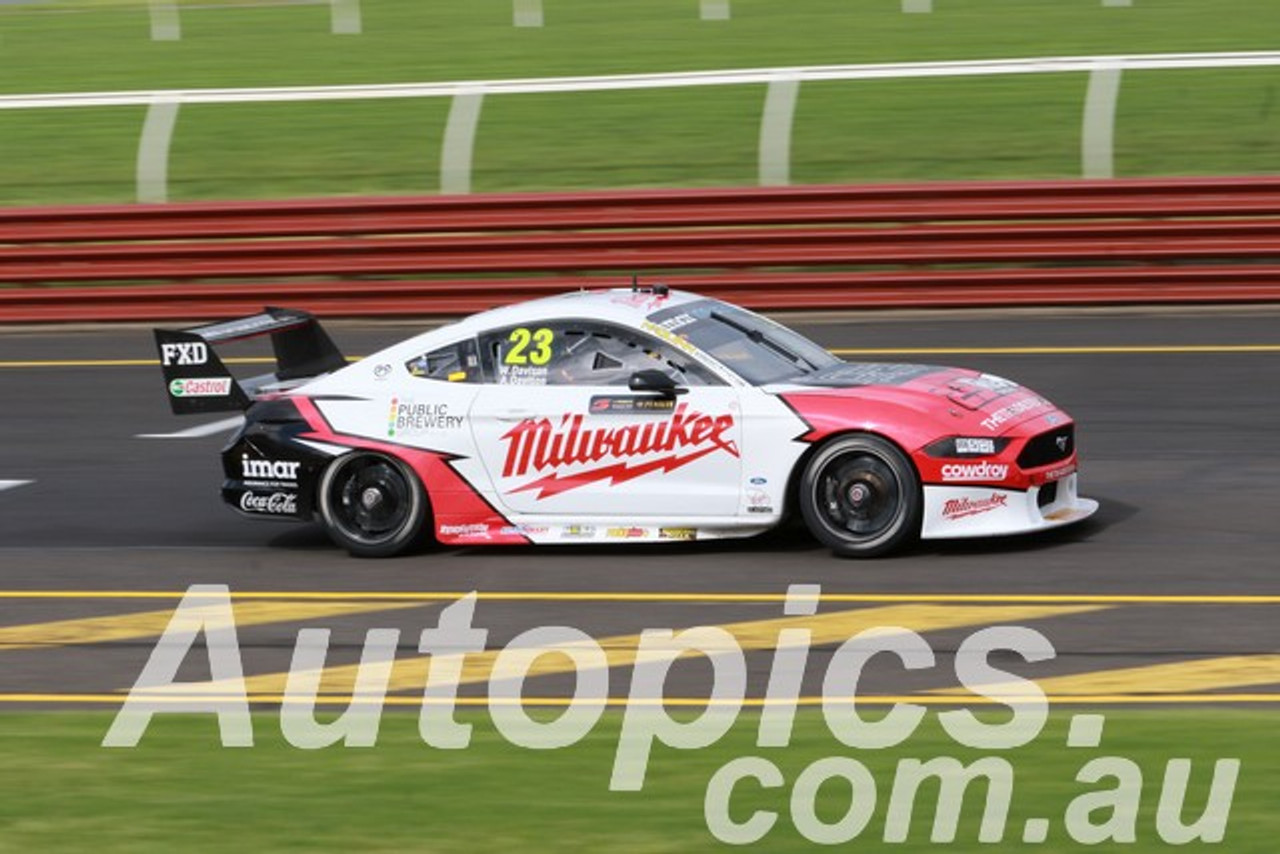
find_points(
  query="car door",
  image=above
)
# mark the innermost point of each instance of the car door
(561, 432)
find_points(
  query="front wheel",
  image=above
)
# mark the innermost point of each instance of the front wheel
(372, 505)
(860, 496)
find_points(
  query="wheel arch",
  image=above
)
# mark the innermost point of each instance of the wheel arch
(792, 494)
(417, 534)
(389, 452)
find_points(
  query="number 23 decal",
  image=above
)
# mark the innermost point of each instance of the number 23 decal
(521, 338)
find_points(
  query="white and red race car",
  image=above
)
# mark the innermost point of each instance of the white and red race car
(626, 415)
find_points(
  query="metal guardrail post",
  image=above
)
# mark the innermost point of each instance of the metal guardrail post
(714, 10)
(775, 131)
(527, 13)
(344, 17)
(1097, 139)
(153, 150)
(165, 26)
(460, 140)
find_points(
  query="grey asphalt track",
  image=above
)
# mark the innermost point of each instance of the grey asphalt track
(1180, 448)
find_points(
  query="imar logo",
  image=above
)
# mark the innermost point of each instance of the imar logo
(269, 469)
(184, 353)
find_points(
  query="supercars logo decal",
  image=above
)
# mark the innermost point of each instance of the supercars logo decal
(536, 446)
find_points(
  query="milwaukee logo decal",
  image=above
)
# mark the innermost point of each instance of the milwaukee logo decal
(536, 446)
(959, 508)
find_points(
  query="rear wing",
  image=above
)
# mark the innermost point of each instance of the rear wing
(198, 381)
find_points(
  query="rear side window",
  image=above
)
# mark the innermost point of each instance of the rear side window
(583, 353)
(455, 363)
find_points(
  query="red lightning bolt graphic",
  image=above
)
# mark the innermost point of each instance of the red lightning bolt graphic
(554, 484)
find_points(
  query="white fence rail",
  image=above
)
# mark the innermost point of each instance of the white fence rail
(783, 84)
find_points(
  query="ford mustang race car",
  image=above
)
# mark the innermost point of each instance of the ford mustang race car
(637, 414)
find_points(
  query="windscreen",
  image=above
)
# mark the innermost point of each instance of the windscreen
(755, 348)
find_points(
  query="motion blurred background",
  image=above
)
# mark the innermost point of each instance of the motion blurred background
(1167, 122)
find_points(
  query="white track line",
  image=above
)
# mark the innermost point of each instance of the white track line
(199, 431)
(10, 484)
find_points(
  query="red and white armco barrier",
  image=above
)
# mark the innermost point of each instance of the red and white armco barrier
(954, 244)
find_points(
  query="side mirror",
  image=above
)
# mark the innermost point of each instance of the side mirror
(653, 381)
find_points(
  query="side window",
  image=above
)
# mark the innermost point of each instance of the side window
(522, 355)
(456, 363)
(583, 353)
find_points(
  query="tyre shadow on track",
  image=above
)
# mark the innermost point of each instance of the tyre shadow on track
(790, 538)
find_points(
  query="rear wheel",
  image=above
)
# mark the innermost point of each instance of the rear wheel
(860, 495)
(372, 505)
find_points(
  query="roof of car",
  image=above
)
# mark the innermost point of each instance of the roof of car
(621, 305)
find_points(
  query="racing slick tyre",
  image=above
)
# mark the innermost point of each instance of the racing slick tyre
(861, 496)
(372, 505)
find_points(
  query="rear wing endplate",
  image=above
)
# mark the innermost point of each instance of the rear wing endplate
(196, 379)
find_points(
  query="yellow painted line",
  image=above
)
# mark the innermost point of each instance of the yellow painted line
(146, 624)
(409, 674)
(1107, 349)
(1110, 349)
(1180, 677)
(663, 597)
(696, 702)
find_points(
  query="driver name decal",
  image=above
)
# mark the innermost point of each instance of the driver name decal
(536, 446)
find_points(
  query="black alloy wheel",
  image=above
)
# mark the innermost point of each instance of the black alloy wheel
(860, 495)
(372, 505)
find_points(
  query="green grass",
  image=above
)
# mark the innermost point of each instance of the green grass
(179, 791)
(1192, 122)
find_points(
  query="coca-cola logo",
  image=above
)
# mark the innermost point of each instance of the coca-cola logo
(276, 504)
(960, 508)
(536, 446)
